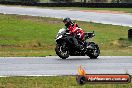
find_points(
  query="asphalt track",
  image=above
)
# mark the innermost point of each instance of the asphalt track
(53, 65)
(105, 18)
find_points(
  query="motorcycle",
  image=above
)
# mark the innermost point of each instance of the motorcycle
(65, 47)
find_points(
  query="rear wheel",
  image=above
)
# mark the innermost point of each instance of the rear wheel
(62, 51)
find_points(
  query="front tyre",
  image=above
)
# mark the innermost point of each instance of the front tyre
(95, 51)
(61, 51)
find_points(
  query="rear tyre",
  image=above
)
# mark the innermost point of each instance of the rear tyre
(62, 52)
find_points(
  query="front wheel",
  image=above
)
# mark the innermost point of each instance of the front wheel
(61, 51)
(94, 52)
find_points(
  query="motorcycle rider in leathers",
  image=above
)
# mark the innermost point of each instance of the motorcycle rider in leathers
(75, 30)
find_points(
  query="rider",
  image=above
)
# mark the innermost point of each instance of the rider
(74, 29)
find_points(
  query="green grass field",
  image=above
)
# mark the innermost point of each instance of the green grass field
(34, 36)
(52, 82)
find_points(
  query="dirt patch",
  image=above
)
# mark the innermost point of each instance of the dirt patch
(122, 42)
(104, 11)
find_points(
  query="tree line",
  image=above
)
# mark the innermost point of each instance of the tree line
(20, 0)
(95, 1)
(83, 1)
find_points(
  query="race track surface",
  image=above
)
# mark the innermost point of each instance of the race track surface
(53, 65)
(105, 18)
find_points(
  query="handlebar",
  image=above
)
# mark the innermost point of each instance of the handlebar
(89, 35)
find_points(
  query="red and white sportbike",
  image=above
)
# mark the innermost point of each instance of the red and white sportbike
(65, 48)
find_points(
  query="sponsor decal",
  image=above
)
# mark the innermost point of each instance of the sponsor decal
(83, 78)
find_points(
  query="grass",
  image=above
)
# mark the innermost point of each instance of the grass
(24, 34)
(34, 36)
(44, 0)
(52, 82)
